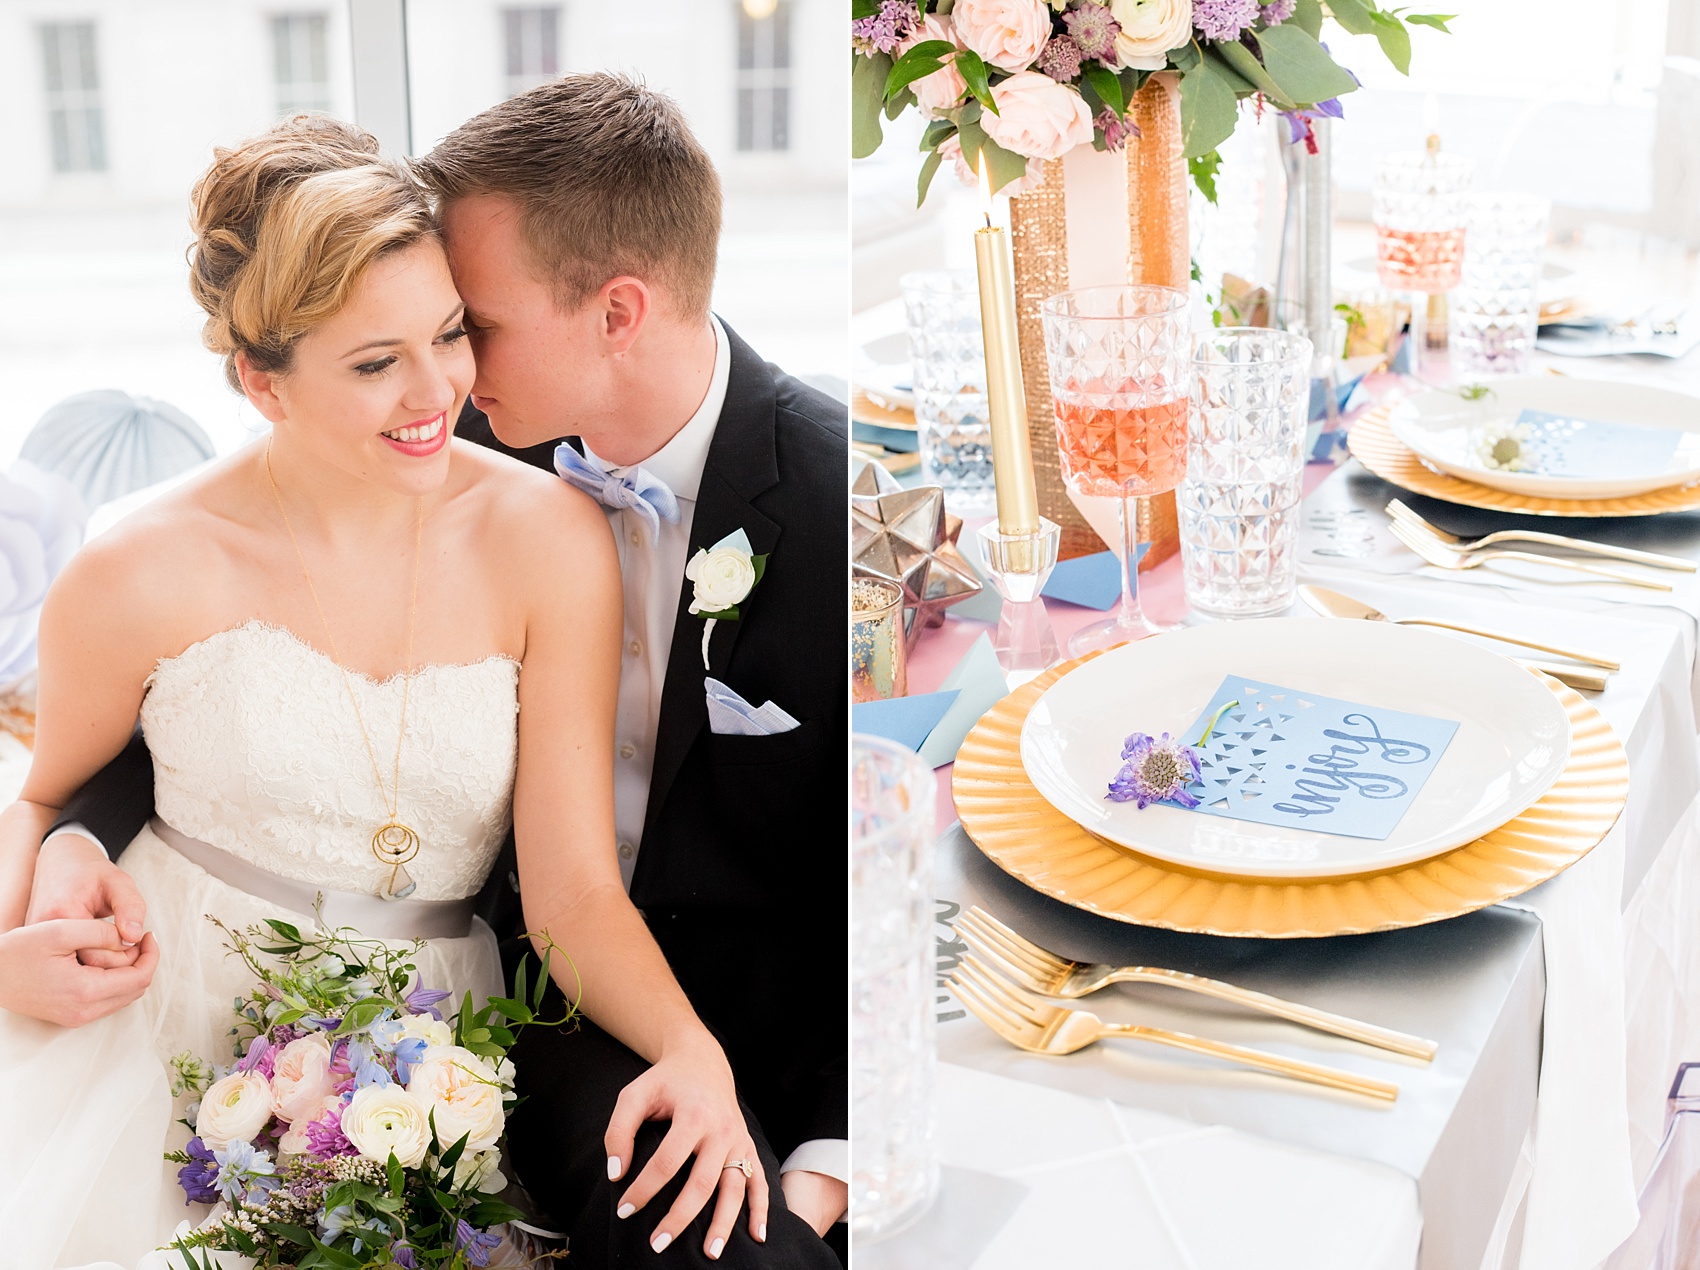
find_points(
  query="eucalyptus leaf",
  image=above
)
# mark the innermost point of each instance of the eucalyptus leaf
(935, 133)
(1395, 41)
(1208, 111)
(1185, 57)
(1303, 68)
(929, 167)
(867, 100)
(1239, 83)
(1437, 20)
(1243, 62)
(895, 106)
(1356, 17)
(1307, 15)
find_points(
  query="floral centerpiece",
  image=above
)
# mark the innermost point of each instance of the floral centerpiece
(1017, 82)
(356, 1126)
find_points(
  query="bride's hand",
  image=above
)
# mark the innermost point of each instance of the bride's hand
(74, 879)
(694, 1089)
(41, 977)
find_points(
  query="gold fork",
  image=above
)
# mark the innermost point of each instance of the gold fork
(1041, 1027)
(1040, 970)
(1399, 511)
(1437, 553)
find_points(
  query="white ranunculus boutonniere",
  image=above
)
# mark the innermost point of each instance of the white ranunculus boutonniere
(723, 577)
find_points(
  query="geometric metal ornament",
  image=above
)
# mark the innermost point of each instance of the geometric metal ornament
(908, 538)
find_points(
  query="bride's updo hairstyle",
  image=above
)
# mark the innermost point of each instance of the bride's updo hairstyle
(285, 226)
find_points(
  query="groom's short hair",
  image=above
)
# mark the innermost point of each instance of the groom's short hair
(608, 180)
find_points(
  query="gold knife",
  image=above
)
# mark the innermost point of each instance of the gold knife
(1333, 604)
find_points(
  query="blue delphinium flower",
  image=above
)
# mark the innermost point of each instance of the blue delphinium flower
(199, 1177)
(407, 1054)
(242, 1170)
(1155, 771)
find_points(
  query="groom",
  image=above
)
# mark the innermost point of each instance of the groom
(582, 220)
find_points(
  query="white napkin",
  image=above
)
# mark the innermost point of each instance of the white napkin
(730, 715)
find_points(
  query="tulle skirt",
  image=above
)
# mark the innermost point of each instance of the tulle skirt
(86, 1114)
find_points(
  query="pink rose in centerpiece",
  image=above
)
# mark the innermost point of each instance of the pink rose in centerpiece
(1037, 117)
(302, 1078)
(951, 150)
(941, 90)
(1007, 33)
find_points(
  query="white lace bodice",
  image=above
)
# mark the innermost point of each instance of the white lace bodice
(256, 750)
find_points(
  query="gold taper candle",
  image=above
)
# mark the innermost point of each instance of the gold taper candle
(1006, 399)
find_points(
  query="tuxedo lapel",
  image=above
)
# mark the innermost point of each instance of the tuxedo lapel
(741, 464)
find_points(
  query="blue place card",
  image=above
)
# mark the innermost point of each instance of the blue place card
(1562, 445)
(906, 720)
(1281, 757)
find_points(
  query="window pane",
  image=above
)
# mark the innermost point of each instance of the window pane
(781, 107)
(781, 24)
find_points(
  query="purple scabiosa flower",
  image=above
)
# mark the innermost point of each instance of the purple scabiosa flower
(1155, 771)
(423, 1000)
(1094, 29)
(199, 1177)
(1060, 59)
(1223, 19)
(1275, 12)
(885, 31)
(478, 1244)
(1116, 130)
(325, 1137)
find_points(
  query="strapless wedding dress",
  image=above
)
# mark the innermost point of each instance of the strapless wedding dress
(257, 755)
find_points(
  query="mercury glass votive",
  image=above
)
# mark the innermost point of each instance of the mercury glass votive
(879, 657)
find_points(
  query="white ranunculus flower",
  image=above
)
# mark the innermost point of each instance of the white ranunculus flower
(1150, 28)
(723, 578)
(463, 1094)
(234, 1109)
(301, 1077)
(431, 1031)
(384, 1119)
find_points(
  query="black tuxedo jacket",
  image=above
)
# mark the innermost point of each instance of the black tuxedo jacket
(742, 873)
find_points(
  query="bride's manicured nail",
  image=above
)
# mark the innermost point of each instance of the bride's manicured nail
(761, 1233)
(133, 931)
(624, 1211)
(714, 1249)
(661, 1241)
(613, 1168)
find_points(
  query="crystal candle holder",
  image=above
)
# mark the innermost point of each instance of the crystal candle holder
(879, 653)
(1018, 566)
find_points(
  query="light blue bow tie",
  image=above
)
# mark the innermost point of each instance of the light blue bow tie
(644, 494)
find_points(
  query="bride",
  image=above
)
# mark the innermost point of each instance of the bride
(351, 624)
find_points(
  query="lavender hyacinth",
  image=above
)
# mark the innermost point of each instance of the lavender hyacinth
(1155, 771)
(887, 29)
(1223, 19)
(1060, 59)
(1094, 29)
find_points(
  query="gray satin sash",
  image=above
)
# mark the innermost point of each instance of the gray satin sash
(369, 914)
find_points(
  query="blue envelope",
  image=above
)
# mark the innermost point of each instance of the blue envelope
(906, 720)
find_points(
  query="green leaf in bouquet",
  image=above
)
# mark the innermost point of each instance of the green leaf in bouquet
(324, 1257)
(929, 167)
(285, 929)
(396, 1178)
(501, 1037)
(1437, 20)
(451, 1157)
(1356, 17)
(1203, 170)
(1394, 39)
(1002, 166)
(362, 1014)
(492, 1212)
(1209, 110)
(283, 1230)
(1242, 86)
(510, 1008)
(978, 78)
(931, 138)
(1247, 69)
(1132, 81)
(867, 100)
(917, 63)
(1304, 70)
(288, 1017)
(520, 982)
(486, 1049)
(1307, 15)
(895, 106)
(279, 950)
(1107, 87)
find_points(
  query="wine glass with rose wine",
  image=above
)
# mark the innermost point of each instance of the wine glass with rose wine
(1418, 204)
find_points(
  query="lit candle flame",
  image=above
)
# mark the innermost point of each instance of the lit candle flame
(985, 188)
(1431, 120)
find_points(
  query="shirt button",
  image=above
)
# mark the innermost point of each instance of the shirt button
(634, 648)
(637, 539)
(625, 851)
(627, 750)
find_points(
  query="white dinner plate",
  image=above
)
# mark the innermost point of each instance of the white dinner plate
(1512, 741)
(1443, 429)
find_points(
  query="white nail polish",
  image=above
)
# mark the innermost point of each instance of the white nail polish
(661, 1241)
(613, 1168)
(761, 1233)
(714, 1249)
(624, 1211)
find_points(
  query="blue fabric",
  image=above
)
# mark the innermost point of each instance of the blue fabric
(636, 489)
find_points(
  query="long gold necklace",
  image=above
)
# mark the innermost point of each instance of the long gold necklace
(394, 843)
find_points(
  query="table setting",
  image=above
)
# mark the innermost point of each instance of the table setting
(1340, 805)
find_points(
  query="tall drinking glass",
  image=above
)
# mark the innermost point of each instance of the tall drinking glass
(894, 974)
(1121, 364)
(1417, 205)
(947, 362)
(1239, 503)
(1497, 309)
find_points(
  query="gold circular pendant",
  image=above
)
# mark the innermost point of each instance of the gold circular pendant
(395, 844)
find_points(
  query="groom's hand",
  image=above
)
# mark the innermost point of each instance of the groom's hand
(41, 977)
(74, 879)
(694, 1089)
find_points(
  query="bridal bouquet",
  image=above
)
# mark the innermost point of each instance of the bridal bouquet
(356, 1127)
(1016, 82)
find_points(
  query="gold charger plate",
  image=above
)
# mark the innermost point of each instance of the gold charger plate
(1373, 444)
(1010, 821)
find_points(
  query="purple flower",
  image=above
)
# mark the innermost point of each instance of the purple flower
(1275, 12)
(401, 1252)
(1095, 30)
(423, 1000)
(243, 1170)
(1155, 771)
(1298, 121)
(1060, 59)
(199, 1177)
(1116, 130)
(1223, 19)
(408, 1053)
(259, 1058)
(883, 33)
(325, 1137)
(478, 1244)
